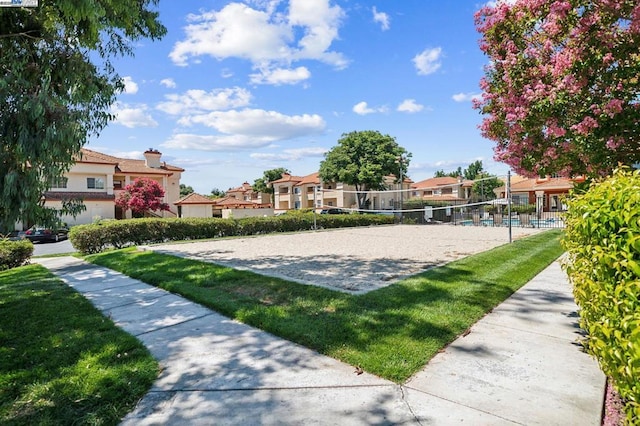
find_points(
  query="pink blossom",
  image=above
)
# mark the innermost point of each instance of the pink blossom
(613, 143)
(585, 126)
(613, 107)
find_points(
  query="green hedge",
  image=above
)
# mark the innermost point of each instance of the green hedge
(14, 253)
(96, 237)
(603, 244)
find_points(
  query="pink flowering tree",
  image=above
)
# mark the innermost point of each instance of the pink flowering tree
(142, 196)
(562, 91)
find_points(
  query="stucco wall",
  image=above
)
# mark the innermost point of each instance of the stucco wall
(242, 213)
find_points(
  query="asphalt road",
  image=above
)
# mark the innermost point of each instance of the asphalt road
(45, 249)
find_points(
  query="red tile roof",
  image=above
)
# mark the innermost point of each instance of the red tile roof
(287, 178)
(194, 198)
(311, 179)
(229, 202)
(125, 165)
(68, 195)
(246, 187)
(437, 182)
(541, 184)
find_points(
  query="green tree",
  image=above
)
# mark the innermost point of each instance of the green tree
(473, 170)
(185, 190)
(262, 184)
(217, 193)
(363, 159)
(58, 83)
(485, 184)
(455, 174)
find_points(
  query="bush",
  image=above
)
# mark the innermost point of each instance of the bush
(14, 253)
(603, 243)
(96, 237)
(523, 208)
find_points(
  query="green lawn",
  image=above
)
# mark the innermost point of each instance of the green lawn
(391, 332)
(61, 360)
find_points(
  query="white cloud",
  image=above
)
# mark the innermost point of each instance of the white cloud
(281, 76)
(132, 116)
(410, 106)
(130, 86)
(466, 97)
(260, 124)
(268, 38)
(214, 142)
(428, 61)
(134, 155)
(290, 154)
(197, 101)
(168, 82)
(496, 2)
(382, 18)
(362, 108)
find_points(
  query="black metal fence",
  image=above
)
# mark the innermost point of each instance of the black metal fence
(480, 213)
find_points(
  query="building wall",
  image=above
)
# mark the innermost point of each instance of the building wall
(242, 213)
(197, 210)
(77, 178)
(98, 209)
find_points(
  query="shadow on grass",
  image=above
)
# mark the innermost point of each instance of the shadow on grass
(61, 361)
(391, 332)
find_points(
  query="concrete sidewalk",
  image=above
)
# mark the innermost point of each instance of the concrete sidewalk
(521, 364)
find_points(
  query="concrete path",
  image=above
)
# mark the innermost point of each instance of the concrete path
(521, 364)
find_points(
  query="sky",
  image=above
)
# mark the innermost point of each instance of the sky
(239, 87)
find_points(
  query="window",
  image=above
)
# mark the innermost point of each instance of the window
(117, 184)
(58, 182)
(95, 183)
(296, 190)
(296, 205)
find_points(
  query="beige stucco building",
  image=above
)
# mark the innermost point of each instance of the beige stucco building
(309, 192)
(98, 179)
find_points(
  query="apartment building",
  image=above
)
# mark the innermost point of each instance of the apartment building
(308, 192)
(442, 189)
(547, 193)
(98, 179)
(245, 192)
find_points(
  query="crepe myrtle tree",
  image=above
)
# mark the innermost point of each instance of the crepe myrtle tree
(561, 93)
(142, 196)
(363, 159)
(57, 86)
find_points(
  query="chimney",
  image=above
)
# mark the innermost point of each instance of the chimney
(152, 158)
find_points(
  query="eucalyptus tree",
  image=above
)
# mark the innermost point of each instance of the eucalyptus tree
(57, 86)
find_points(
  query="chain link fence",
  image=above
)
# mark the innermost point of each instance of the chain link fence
(498, 212)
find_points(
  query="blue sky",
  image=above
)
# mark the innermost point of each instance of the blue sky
(239, 87)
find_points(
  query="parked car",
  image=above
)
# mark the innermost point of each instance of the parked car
(42, 234)
(334, 211)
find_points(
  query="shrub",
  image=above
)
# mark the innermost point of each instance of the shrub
(96, 237)
(603, 243)
(523, 208)
(14, 253)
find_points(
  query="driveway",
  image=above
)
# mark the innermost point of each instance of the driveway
(47, 249)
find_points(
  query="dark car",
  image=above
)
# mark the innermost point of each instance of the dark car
(334, 211)
(42, 234)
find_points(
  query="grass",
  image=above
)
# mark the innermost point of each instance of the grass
(391, 332)
(61, 360)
